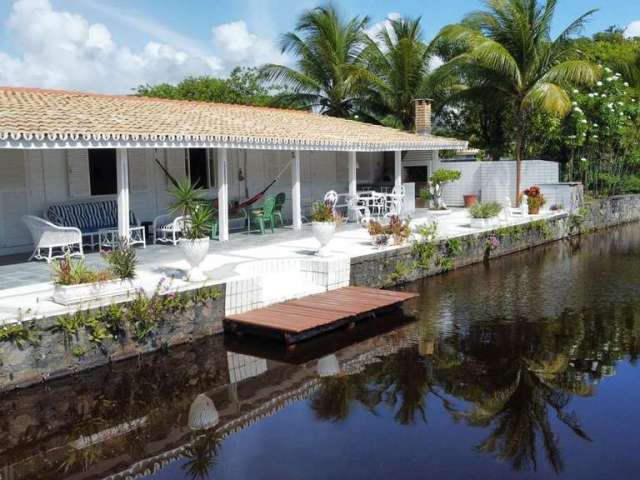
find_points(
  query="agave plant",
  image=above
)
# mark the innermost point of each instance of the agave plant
(188, 202)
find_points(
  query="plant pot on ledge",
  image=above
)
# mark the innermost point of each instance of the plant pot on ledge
(323, 233)
(88, 292)
(198, 219)
(469, 200)
(323, 225)
(195, 251)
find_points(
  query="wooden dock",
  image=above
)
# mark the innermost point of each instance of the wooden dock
(307, 317)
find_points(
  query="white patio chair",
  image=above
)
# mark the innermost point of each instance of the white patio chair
(359, 210)
(331, 198)
(49, 237)
(167, 228)
(395, 208)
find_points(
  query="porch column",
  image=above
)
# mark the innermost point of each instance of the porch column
(223, 196)
(397, 168)
(353, 165)
(122, 173)
(296, 204)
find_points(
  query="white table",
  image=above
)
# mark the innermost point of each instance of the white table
(108, 237)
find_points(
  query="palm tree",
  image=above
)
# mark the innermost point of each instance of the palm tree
(509, 50)
(328, 71)
(398, 61)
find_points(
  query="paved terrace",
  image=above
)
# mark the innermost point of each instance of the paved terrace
(26, 287)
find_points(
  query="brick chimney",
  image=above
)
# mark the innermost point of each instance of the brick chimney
(423, 116)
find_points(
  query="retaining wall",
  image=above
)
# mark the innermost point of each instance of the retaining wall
(393, 267)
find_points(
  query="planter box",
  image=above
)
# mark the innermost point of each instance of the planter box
(485, 222)
(86, 292)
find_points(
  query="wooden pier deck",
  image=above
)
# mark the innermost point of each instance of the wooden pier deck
(307, 317)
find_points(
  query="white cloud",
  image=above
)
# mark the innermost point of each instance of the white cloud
(234, 43)
(63, 50)
(633, 29)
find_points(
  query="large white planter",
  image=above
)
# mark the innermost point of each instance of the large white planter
(323, 232)
(87, 292)
(485, 222)
(195, 252)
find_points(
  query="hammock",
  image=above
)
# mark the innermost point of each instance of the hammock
(246, 203)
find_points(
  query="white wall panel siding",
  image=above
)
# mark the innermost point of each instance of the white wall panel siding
(78, 173)
(138, 170)
(494, 181)
(176, 165)
(14, 198)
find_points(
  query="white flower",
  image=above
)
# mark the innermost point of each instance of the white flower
(606, 69)
(584, 120)
(577, 109)
(620, 103)
(583, 159)
(575, 104)
(610, 79)
(575, 90)
(626, 84)
(599, 83)
(595, 136)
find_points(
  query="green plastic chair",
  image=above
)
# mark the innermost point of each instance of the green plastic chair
(278, 212)
(263, 215)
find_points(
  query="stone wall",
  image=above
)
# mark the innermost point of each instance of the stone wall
(393, 267)
(54, 353)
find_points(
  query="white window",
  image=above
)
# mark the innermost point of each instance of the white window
(200, 163)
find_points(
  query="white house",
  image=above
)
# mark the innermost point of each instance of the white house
(70, 147)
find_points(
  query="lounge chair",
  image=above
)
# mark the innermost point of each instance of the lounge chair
(168, 228)
(50, 237)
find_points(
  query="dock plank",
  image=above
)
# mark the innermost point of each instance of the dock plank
(304, 317)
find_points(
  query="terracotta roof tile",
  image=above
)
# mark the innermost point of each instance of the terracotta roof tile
(38, 114)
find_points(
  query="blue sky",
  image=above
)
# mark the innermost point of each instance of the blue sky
(114, 45)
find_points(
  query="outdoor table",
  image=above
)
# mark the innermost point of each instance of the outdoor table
(108, 237)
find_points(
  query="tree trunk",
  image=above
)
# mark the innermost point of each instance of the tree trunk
(520, 148)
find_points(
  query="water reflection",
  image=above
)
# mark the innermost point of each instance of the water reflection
(505, 355)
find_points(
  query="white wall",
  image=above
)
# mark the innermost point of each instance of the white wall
(494, 181)
(32, 179)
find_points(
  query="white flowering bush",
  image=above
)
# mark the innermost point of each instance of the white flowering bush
(602, 134)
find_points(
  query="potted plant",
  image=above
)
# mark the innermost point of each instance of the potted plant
(377, 234)
(433, 194)
(535, 199)
(323, 225)
(484, 214)
(76, 282)
(197, 218)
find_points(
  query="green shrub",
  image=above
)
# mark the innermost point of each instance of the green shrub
(68, 271)
(122, 261)
(443, 175)
(322, 212)
(485, 210)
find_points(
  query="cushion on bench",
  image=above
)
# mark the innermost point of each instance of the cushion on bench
(89, 216)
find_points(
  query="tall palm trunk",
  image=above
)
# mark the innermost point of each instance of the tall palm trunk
(520, 147)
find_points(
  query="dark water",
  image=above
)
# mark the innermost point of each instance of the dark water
(524, 368)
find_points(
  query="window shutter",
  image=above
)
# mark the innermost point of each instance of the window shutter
(138, 177)
(78, 173)
(176, 164)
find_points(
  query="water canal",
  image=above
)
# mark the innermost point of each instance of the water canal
(525, 367)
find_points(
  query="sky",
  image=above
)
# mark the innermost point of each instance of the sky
(111, 46)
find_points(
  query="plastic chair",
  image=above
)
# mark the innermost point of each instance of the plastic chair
(278, 213)
(263, 215)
